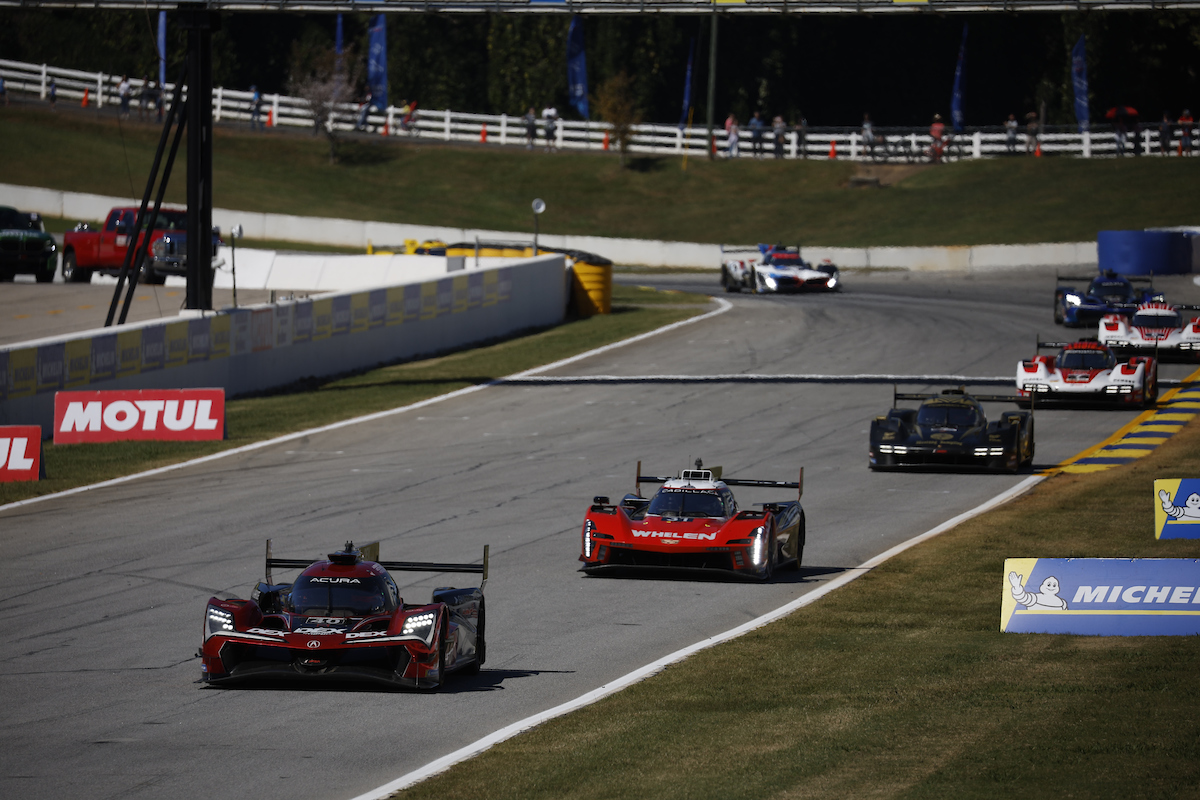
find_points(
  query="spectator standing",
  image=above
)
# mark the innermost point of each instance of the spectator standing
(255, 108)
(937, 133)
(53, 94)
(801, 125)
(530, 128)
(729, 122)
(363, 111)
(143, 98)
(550, 128)
(1137, 136)
(1164, 134)
(731, 125)
(780, 131)
(1119, 132)
(1010, 134)
(1185, 131)
(1031, 132)
(124, 92)
(756, 133)
(868, 135)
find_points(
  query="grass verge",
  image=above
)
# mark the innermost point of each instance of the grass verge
(254, 419)
(1009, 200)
(900, 685)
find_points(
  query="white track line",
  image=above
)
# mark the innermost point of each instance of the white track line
(750, 377)
(445, 762)
(722, 306)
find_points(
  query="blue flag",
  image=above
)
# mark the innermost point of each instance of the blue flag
(577, 67)
(960, 80)
(162, 49)
(377, 78)
(687, 86)
(1079, 80)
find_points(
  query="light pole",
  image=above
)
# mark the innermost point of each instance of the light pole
(235, 233)
(539, 205)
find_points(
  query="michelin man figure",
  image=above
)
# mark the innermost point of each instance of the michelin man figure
(1190, 508)
(1046, 598)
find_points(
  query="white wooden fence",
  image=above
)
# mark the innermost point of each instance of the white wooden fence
(234, 106)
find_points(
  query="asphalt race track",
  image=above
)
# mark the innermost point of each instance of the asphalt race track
(103, 592)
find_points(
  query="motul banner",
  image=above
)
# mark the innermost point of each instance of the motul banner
(149, 414)
(20, 453)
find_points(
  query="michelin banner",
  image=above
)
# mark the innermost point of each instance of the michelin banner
(1177, 510)
(1101, 596)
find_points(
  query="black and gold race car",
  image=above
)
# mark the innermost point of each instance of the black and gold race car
(951, 430)
(25, 247)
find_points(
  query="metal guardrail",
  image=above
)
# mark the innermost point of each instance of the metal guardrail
(233, 105)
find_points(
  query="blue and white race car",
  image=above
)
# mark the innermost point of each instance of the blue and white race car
(776, 268)
(1106, 293)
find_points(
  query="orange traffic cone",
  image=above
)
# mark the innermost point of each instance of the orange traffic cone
(271, 118)
(833, 148)
(1178, 152)
(483, 134)
(84, 103)
(1038, 150)
(606, 140)
(386, 129)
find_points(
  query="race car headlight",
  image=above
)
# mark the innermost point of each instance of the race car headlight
(770, 282)
(419, 625)
(587, 538)
(48, 246)
(217, 620)
(1073, 299)
(832, 282)
(759, 549)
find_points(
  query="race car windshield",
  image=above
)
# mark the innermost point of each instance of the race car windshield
(13, 220)
(1085, 359)
(321, 595)
(684, 503)
(948, 416)
(1144, 320)
(1114, 289)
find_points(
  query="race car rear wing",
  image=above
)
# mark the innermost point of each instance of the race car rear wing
(716, 474)
(370, 552)
(983, 398)
(1131, 278)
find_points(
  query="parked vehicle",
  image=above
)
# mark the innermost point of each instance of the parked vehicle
(87, 251)
(25, 247)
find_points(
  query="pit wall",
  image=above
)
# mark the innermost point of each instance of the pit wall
(260, 347)
(354, 233)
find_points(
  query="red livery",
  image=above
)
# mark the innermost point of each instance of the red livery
(20, 453)
(694, 523)
(343, 619)
(148, 414)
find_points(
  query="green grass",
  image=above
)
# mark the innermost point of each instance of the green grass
(900, 685)
(994, 201)
(256, 418)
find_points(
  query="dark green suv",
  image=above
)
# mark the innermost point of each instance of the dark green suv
(25, 247)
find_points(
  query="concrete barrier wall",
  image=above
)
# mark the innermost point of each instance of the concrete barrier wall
(351, 233)
(261, 347)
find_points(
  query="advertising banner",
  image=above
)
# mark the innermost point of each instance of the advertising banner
(1177, 508)
(149, 414)
(20, 453)
(1101, 596)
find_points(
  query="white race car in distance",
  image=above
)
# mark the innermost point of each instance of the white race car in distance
(1087, 372)
(778, 269)
(1156, 329)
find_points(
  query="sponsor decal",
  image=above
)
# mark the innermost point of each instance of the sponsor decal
(360, 312)
(154, 347)
(176, 343)
(334, 580)
(199, 339)
(445, 296)
(377, 302)
(669, 535)
(20, 453)
(104, 358)
(318, 631)
(341, 314)
(1177, 508)
(240, 332)
(429, 300)
(50, 367)
(475, 290)
(461, 290)
(78, 358)
(365, 635)
(262, 333)
(265, 632)
(412, 302)
(326, 621)
(302, 321)
(151, 414)
(313, 644)
(1101, 596)
(220, 333)
(283, 325)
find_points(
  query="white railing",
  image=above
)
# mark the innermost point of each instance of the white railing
(233, 106)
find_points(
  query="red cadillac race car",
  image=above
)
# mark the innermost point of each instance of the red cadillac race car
(343, 619)
(694, 523)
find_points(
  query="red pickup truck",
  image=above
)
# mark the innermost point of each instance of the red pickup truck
(87, 250)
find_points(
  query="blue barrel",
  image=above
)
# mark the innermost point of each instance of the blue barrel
(1144, 252)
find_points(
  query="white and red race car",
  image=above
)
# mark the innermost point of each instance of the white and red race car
(1157, 329)
(1087, 372)
(776, 268)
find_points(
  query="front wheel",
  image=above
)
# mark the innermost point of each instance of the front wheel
(480, 641)
(800, 535)
(441, 656)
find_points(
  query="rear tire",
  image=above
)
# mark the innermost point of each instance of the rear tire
(1060, 314)
(801, 533)
(442, 637)
(480, 642)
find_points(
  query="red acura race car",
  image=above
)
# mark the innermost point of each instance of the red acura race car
(694, 523)
(343, 619)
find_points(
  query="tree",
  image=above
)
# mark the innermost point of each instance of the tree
(614, 104)
(325, 80)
